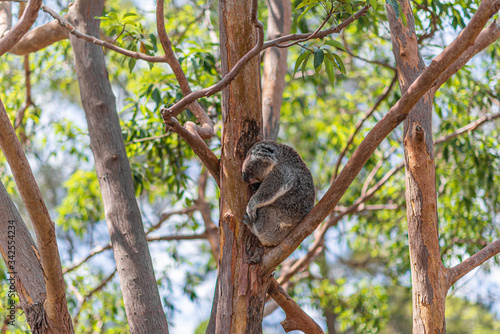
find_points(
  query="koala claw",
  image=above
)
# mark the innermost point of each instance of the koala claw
(248, 221)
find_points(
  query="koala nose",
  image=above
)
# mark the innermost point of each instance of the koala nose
(245, 177)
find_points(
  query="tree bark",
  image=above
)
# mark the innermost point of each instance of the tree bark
(241, 288)
(428, 272)
(55, 305)
(140, 293)
(24, 268)
(275, 66)
(5, 17)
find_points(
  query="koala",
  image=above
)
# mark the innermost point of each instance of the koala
(284, 191)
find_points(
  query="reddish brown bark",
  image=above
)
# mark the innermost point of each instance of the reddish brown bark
(241, 287)
(133, 260)
(429, 290)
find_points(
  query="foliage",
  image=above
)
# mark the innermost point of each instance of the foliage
(341, 77)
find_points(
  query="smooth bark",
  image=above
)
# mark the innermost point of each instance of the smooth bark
(24, 268)
(21, 27)
(140, 293)
(55, 305)
(275, 66)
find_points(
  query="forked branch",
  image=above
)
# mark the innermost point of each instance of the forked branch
(296, 318)
(457, 272)
(21, 27)
(399, 112)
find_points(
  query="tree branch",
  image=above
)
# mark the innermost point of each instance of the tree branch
(91, 39)
(198, 146)
(21, 27)
(399, 112)
(485, 38)
(178, 107)
(321, 34)
(468, 128)
(296, 318)
(56, 304)
(40, 37)
(100, 249)
(206, 131)
(455, 273)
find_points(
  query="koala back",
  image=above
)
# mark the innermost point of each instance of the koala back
(285, 194)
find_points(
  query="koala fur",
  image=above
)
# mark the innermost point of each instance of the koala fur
(284, 191)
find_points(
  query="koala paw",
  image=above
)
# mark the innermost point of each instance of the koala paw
(248, 221)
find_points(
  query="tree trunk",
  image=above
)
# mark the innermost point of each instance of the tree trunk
(140, 292)
(241, 289)
(5, 17)
(24, 268)
(275, 66)
(428, 283)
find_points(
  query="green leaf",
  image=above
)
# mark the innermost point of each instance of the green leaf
(373, 3)
(304, 13)
(304, 64)
(299, 61)
(113, 15)
(319, 55)
(335, 43)
(329, 66)
(131, 64)
(348, 7)
(340, 63)
(152, 38)
(306, 3)
(129, 14)
(403, 16)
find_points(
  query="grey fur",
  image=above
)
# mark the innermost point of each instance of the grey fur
(285, 194)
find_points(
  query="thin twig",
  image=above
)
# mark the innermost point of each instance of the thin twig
(468, 128)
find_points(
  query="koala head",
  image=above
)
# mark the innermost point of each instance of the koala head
(259, 162)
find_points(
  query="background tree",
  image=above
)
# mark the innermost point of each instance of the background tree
(331, 107)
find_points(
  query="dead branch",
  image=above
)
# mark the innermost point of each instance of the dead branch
(89, 295)
(210, 228)
(296, 318)
(166, 215)
(384, 96)
(21, 27)
(455, 273)
(399, 112)
(27, 102)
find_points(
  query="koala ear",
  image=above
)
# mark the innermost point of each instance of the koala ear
(265, 149)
